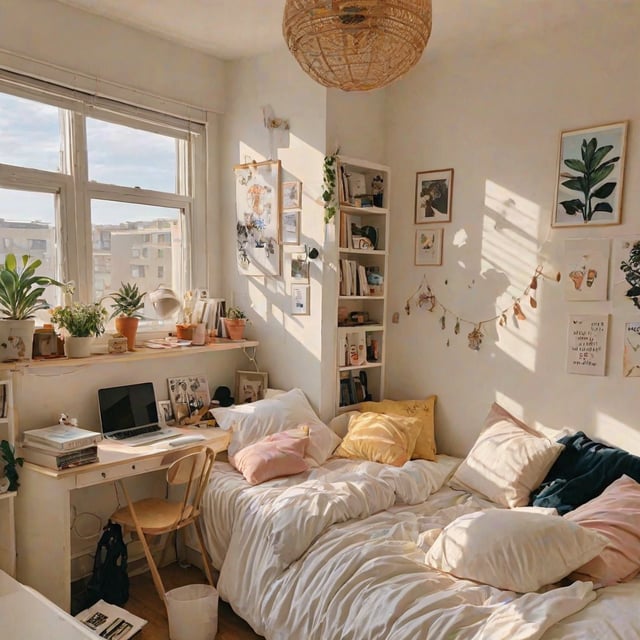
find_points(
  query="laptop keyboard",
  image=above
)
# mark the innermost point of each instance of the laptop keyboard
(122, 435)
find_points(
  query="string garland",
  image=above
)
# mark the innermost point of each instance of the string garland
(424, 298)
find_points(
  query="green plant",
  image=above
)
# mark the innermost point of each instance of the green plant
(11, 464)
(592, 170)
(21, 289)
(127, 300)
(329, 185)
(81, 319)
(235, 313)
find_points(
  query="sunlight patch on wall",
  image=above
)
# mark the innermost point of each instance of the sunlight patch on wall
(612, 431)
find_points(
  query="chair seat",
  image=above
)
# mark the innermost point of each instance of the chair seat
(155, 515)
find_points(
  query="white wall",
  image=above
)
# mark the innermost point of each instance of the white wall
(496, 119)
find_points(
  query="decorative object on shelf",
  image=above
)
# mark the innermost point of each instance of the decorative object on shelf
(631, 359)
(626, 286)
(377, 188)
(424, 298)
(235, 323)
(21, 295)
(587, 344)
(300, 294)
(11, 464)
(586, 268)
(356, 46)
(251, 386)
(258, 217)
(82, 322)
(434, 192)
(329, 172)
(291, 195)
(428, 247)
(189, 397)
(127, 302)
(587, 158)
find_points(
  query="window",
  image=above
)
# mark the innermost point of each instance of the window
(118, 180)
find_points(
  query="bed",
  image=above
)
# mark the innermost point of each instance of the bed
(354, 548)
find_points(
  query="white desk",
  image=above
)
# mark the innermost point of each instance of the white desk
(43, 506)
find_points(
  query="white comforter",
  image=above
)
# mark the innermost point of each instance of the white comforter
(338, 553)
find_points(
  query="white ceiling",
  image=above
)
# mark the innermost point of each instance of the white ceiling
(230, 29)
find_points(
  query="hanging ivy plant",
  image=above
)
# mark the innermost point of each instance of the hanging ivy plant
(329, 171)
(7, 453)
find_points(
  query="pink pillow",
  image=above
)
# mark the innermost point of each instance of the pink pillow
(616, 514)
(279, 454)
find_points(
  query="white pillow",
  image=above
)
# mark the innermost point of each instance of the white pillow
(507, 462)
(516, 549)
(253, 421)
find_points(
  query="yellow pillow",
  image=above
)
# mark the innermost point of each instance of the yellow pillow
(380, 438)
(421, 409)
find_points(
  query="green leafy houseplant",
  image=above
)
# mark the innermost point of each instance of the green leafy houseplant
(235, 323)
(329, 171)
(11, 464)
(81, 319)
(592, 169)
(235, 313)
(127, 300)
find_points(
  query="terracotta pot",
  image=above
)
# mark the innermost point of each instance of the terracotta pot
(184, 331)
(235, 327)
(77, 346)
(128, 327)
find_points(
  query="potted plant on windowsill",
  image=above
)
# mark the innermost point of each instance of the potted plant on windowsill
(235, 323)
(20, 297)
(127, 301)
(83, 322)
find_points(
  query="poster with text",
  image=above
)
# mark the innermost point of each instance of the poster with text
(631, 358)
(587, 344)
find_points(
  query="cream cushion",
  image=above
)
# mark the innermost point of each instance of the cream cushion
(507, 462)
(379, 437)
(516, 549)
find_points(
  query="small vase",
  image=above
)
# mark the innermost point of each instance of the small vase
(235, 327)
(128, 327)
(78, 347)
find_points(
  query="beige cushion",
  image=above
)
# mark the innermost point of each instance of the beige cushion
(507, 462)
(380, 438)
(516, 549)
(425, 448)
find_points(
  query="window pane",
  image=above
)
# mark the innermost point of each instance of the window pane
(29, 133)
(131, 157)
(28, 226)
(123, 235)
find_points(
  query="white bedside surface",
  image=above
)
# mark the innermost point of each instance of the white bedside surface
(27, 615)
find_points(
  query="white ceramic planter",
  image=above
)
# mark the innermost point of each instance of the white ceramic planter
(77, 347)
(16, 340)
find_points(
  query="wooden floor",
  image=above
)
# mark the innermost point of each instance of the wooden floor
(144, 602)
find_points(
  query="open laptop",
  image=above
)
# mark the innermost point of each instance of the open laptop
(129, 414)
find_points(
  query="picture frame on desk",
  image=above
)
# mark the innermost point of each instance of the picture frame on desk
(165, 413)
(189, 397)
(251, 386)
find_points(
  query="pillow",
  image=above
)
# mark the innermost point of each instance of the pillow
(252, 422)
(422, 409)
(531, 549)
(340, 424)
(507, 461)
(380, 438)
(277, 455)
(616, 514)
(583, 471)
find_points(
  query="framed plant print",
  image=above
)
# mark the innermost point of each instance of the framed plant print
(590, 176)
(291, 195)
(291, 227)
(300, 299)
(251, 386)
(586, 270)
(428, 247)
(434, 192)
(258, 218)
(626, 273)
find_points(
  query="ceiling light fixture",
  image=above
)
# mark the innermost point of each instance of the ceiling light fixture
(356, 45)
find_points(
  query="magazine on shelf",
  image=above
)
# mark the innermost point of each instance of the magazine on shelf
(62, 437)
(111, 622)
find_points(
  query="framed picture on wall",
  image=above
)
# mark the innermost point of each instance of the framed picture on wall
(300, 299)
(291, 227)
(590, 176)
(291, 195)
(626, 273)
(428, 246)
(631, 357)
(587, 344)
(434, 191)
(586, 268)
(299, 267)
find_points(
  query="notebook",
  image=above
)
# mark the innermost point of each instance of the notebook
(129, 414)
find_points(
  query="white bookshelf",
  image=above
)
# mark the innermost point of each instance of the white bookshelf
(7, 499)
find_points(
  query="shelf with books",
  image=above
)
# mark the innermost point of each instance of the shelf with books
(7, 499)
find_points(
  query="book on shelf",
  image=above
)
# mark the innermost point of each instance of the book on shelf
(4, 410)
(60, 460)
(62, 437)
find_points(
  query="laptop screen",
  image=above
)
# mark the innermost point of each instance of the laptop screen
(127, 407)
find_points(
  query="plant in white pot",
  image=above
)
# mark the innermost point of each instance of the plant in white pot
(83, 322)
(235, 323)
(21, 291)
(127, 302)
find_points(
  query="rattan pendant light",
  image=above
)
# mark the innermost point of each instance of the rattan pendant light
(356, 45)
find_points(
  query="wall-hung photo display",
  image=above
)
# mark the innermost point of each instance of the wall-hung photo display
(586, 270)
(291, 227)
(251, 386)
(291, 195)
(587, 344)
(428, 246)
(258, 218)
(434, 192)
(631, 357)
(299, 267)
(590, 176)
(300, 299)
(626, 273)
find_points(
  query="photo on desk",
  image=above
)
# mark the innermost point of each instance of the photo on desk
(189, 397)
(165, 413)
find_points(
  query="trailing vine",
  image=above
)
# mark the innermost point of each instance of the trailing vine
(329, 171)
(7, 453)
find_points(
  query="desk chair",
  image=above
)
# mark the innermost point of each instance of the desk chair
(156, 516)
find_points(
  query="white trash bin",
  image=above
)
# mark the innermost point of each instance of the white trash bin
(193, 612)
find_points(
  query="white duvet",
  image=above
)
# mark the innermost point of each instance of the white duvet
(338, 553)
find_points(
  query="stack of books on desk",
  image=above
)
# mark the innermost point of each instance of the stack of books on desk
(60, 447)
